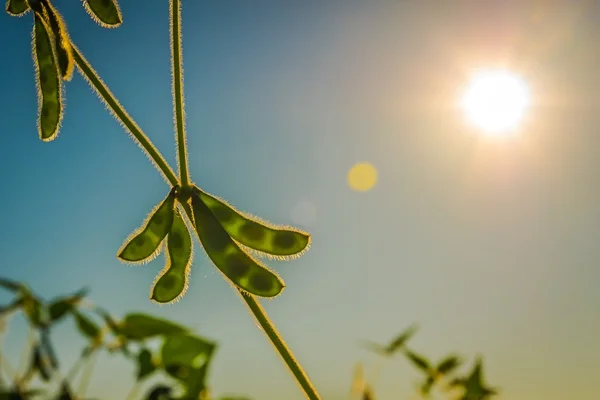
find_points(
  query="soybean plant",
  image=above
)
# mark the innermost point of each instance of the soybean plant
(230, 238)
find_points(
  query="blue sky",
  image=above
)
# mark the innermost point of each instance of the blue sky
(489, 246)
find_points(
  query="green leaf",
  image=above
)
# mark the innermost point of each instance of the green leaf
(142, 326)
(11, 285)
(448, 364)
(187, 350)
(47, 80)
(171, 284)
(143, 245)
(396, 344)
(419, 361)
(110, 321)
(160, 392)
(255, 234)
(401, 340)
(475, 389)
(17, 8)
(427, 385)
(106, 13)
(59, 307)
(46, 345)
(186, 358)
(86, 326)
(12, 306)
(62, 42)
(34, 310)
(40, 363)
(237, 265)
(145, 364)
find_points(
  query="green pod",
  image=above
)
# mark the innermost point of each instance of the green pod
(17, 8)
(229, 258)
(47, 80)
(279, 242)
(171, 284)
(106, 13)
(62, 42)
(144, 244)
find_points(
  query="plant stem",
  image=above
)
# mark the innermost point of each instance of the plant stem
(121, 115)
(256, 309)
(179, 112)
(265, 322)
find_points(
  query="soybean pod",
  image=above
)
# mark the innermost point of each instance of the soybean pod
(245, 272)
(143, 245)
(62, 42)
(17, 8)
(47, 80)
(172, 282)
(280, 242)
(106, 13)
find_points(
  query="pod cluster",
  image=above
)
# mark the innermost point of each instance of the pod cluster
(53, 53)
(226, 234)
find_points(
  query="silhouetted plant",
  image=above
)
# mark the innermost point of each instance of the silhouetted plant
(227, 235)
(182, 355)
(442, 374)
(230, 238)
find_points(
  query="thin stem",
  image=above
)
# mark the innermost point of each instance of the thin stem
(179, 112)
(265, 322)
(119, 112)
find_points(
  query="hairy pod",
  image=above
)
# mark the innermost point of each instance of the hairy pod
(245, 272)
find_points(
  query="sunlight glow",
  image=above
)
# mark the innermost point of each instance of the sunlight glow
(495, 101)
(362, 177)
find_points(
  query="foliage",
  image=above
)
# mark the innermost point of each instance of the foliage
(227, 235)
(442, 374)
(232, 240)
(182, 356)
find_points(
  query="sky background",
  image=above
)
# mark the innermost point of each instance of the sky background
(490, 246)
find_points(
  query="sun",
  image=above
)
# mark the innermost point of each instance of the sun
(495, 101)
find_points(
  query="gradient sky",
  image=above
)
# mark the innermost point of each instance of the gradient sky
(490, 246)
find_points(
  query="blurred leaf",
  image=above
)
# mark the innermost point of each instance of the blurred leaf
(65, 392)
(86, 326)
(142, 326)
(448, 364)
(17, 7)
(426, 386)
(419, 361)
(40, 364)
(396, 344)
(11, 285)
(48, 348)
(401, 339)
(145, 364)
(110, 321)
(16, 394)
(59, 307)
(193, 380)
(374, 347)
(186, 358)
(34, 309)
(474, 387)
(160, 392)
(12, 306)
(186, 349)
